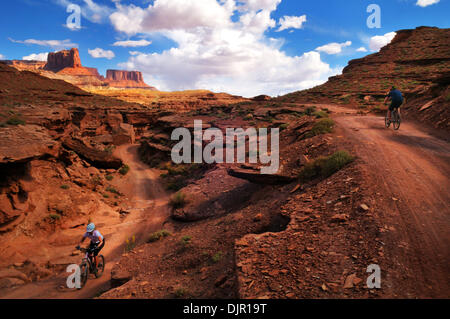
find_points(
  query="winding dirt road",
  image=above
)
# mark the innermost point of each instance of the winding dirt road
(148, 209)
(410, 171)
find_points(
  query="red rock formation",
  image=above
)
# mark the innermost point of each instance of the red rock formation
(116, 75)
(58, 61)
(126, 79)
(24, 65)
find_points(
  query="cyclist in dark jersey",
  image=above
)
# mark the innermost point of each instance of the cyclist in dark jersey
(396, 100)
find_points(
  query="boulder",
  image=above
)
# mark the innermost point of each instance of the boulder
(97, 158)
(119, 276)
(124, 134)
(256, 177)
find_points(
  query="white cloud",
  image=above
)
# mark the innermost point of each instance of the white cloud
(287, 22)
(171, 15)
(426, 3)
(379, 41)
(36, 57)
(100, 53)
(213, 52)
(2, 57)
(334, 48)
(132, 43)
(361, 49)
(55, 44)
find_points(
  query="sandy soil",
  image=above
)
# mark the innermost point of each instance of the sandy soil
(148, 211)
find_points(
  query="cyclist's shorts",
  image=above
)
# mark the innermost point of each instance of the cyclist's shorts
(395, 105)
(97, 249)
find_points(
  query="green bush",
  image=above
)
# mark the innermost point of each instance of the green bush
(55, 217)
(310, 110)
(325, 166)
(124, 170)
(181, 292)
(65, 186)
(158, 235)
(320, 114)
(113, 190)
(109, 177)
(178, 200)
(186, 240)
(216, 257)
(284, 126)
(322, 126)
(15, 121)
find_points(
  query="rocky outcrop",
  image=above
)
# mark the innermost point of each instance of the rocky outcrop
(126, 79)
(255, 176)
(95, 157)
(58, 61)
(25, 142)
(24, 65)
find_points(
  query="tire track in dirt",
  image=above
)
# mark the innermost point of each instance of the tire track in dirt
(410, 170)
(148, 211)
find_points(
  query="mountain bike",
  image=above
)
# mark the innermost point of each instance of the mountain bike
(395, 119)
(87, 265)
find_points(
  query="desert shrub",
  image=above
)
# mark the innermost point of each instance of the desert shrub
(15, 121)
(186, 240)
(55, 217)
(158, 235)
(181, 292)
(325, 166)
(109, 177)
(109, 149)
(447, 98)
(105, 195)
(178, 200)
(216, 257)
(320, 114)
(124, 169)
(130, 243)
(113, 190)
(310, 110)
(284, 126)
(65, 186)
(322, 126)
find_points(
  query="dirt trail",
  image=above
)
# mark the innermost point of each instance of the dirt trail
(148, 210)
(410, 171)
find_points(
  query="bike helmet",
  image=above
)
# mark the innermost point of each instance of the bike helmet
(90, 227)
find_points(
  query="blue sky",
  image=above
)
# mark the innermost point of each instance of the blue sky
(237, 46)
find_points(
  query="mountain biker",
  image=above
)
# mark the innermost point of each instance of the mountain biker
(396, 98)
(97, 241)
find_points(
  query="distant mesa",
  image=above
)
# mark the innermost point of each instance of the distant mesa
(125, 79)
(66, 65)
(58, 61)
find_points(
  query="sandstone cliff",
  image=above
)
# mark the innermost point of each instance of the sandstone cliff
(126, 79)
(58, 61)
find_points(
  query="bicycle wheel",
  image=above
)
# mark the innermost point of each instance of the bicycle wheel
(84, 273)
(397, 120)
(386, 121)
(100, 266)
